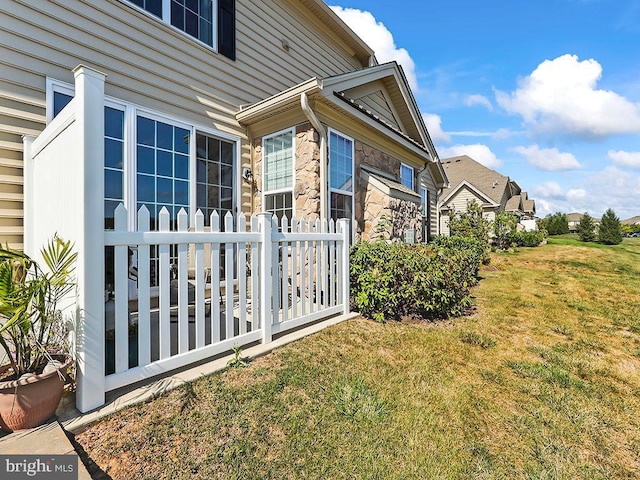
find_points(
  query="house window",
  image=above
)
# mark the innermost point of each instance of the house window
(162, 172)
(278, 163)
(210, 21)
(60, 100)
(113, 163)
(340, 176)
(214, 176)
(406, 176)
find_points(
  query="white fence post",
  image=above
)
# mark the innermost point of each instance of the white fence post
(90, 346)
(343, 273)
(264, 223)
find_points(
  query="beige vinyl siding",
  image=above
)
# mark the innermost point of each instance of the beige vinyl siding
(378, 105)
(150, 64)
(459, 202)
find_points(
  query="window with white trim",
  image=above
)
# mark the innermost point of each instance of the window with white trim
(212, 22)
(406, 176)
(340, 176)
(278, 174)
(154, 160)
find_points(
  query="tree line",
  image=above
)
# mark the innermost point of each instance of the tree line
(608, 232)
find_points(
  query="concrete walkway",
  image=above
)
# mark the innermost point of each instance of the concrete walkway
(47, 439)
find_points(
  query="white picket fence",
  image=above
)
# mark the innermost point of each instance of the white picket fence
(216, 287)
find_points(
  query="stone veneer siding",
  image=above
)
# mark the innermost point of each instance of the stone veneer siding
(383, 216)
(306, 188)
(377, 215)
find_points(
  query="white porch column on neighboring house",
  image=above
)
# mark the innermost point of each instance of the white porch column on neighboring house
(89, 98)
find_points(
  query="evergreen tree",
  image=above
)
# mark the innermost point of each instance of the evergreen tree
(555, 224)
(587, 228)
(610, 231)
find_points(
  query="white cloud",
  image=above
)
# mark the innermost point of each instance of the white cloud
(561, 97)
(609, 188)
(548, 190)
(479, 152)
(380, 39)
(550, 159)
(472, 100)
(625, 159)
(434, 125)
(576, 194)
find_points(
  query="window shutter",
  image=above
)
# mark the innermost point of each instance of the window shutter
(227, 28)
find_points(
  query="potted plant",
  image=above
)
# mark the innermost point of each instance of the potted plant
(33, 333)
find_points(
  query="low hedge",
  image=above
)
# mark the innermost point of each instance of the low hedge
(389, 281)
(529, 239)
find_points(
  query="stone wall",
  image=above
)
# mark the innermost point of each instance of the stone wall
(377, 215)
(306, 194)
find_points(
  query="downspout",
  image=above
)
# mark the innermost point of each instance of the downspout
(315, 123)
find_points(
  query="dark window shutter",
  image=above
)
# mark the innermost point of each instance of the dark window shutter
(227, 28)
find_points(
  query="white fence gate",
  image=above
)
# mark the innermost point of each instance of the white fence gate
(199, 292)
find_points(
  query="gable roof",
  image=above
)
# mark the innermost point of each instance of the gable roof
(409, 130)
(491, 183)
(452, 192)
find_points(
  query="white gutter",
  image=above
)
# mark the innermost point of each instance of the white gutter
(315, 123)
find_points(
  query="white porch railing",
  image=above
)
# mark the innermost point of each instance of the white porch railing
(216, 289)
(258, 283)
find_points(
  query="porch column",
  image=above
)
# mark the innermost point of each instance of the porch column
(90, 373)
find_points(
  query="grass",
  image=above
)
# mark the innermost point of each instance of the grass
(542, 381)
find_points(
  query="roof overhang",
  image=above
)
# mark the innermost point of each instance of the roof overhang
(487, 201)
(328, 92)
(327, 17)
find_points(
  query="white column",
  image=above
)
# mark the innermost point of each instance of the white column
(343, 228)
(28, 193)
(266, 276)
(89, 98)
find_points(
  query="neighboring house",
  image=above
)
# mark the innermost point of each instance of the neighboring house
(573, 219)
(469, 181)
(342, 134)
(221, 106)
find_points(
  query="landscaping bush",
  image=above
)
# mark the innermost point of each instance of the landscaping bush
(530, 239)
(389, 281)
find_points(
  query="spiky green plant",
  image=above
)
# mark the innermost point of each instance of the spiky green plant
(31, 323)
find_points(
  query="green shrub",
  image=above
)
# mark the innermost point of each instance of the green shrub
(529, 239)
(389, 281)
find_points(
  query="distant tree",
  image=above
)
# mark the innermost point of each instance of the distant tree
(504, 230)
(610, 231)
(556, 224)
(587, 228)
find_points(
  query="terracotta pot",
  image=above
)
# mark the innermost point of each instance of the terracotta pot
(28, 402)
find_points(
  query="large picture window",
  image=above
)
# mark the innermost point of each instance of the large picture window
(340, 176)
(162, 173)
(278, 164)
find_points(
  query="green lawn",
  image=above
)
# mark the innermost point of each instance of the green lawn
(542, 380)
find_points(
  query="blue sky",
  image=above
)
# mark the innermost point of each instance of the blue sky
(546, 92)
